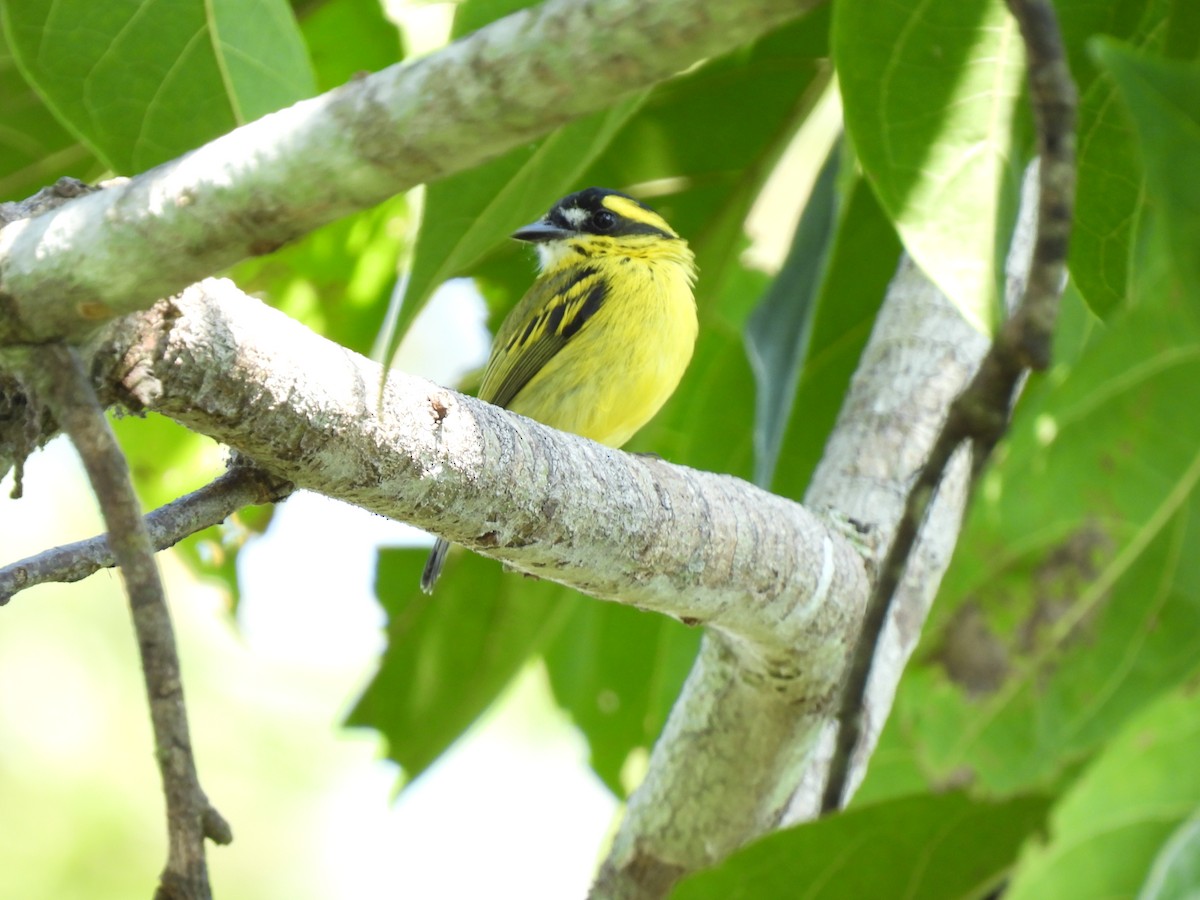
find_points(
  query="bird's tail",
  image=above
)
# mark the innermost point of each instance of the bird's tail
(433, 566)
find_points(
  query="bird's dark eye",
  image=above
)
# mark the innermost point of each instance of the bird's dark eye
(603, 220)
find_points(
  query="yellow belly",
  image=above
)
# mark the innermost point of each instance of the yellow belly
(621, 367)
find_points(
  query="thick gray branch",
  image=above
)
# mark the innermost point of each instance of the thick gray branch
(266, 183)
(705, 548)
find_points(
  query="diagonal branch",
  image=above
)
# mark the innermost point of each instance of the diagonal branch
(243, 485)
(981, 413)
(614, 525)
(61, 382)
(252, 190)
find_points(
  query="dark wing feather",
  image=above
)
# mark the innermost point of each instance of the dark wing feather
(548, 316)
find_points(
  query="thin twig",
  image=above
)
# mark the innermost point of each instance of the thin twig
(64, 387)
(242, 485)
(981, 412)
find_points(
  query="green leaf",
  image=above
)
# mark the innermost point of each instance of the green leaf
(1163, 100)
(1183, 30)
(346, 37)
(1109, 827)
(449, 656)
(337, 279)
(1071, 606)
(142, 81)
(471, 15)
(35, 150)
(861, 262)
(1082, 20)
(1109, 196)
(1108, 199)
(930, 89)
(1175, 874)
(929, 847)
(711, 128)
(779, 331)
(1075, 596)
(617, 671)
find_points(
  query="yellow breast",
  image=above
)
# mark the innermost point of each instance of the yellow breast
(627, 359)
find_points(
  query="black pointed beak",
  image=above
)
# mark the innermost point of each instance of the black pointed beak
(539, 232)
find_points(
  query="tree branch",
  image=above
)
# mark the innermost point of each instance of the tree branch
(252, 190)
(981, 413)
(707, 548)
(62, 384)
(243, 485)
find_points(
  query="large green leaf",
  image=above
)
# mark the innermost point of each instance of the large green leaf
(930, 89)
(142, 81)
(1082, 20)
(471, 15)
(618, 671)
(346, 37)
(929, 847)
(861, 262)
(1110, 826)
(449, 656)
(1109, 198)
(1075, 596)
(1163, 99)
(35, 149)
(779, 331)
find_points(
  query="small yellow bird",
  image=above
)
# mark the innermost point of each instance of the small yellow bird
(601, 339)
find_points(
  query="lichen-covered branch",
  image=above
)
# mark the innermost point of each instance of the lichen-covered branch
(252, 190)
(706, 548)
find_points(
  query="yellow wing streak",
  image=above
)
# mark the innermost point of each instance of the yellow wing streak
(550, 314)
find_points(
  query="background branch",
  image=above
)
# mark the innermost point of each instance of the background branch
(614, 525)
(61, 382)
(243, 485)
(252, 190)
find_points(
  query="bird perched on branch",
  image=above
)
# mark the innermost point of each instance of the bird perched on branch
(602, 337)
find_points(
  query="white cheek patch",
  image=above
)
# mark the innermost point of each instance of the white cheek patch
(575, 216)
(551, 253)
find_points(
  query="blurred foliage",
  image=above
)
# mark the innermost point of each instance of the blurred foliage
(1056, 679)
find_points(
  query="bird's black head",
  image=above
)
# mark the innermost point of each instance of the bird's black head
(596, 211)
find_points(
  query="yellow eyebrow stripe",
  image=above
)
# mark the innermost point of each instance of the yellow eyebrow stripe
(635, 212)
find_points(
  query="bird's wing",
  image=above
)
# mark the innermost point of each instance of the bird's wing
(548, 316)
